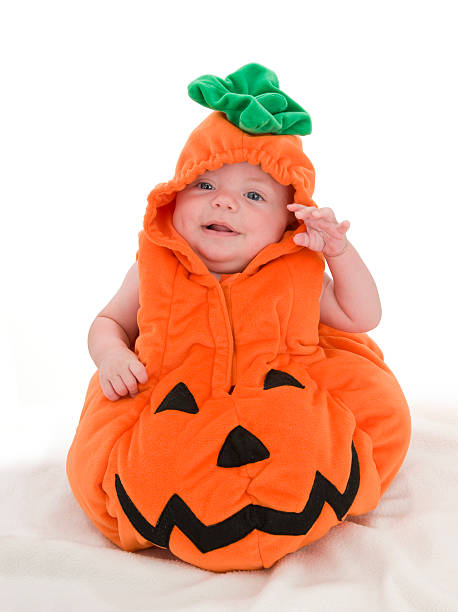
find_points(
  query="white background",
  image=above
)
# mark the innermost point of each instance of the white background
(94, 113)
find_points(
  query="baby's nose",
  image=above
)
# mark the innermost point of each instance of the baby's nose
(224, 203)
(224, 199)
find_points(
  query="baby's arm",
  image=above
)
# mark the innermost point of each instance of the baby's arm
(111, 337)
(350, 301)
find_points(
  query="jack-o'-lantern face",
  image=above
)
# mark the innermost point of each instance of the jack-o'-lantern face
(240, 447)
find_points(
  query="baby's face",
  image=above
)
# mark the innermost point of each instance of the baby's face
(241, 196)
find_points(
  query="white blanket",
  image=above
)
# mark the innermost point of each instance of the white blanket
(401, 556)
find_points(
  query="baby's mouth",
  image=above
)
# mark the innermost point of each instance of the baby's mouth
(221, 229)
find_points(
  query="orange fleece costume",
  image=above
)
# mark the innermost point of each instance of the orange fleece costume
(259, 428)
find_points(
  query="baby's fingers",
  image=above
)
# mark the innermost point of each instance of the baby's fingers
(113, 387)
(311, 215)
(301, 210)
(130, 381)
(118, 384)
(108, 390)
(139, 371)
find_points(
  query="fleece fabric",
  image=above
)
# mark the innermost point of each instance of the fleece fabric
(259, 428)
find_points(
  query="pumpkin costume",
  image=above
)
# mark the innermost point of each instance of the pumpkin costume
(259, 428)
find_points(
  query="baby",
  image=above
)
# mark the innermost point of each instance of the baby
(228, 216)
(237, 412)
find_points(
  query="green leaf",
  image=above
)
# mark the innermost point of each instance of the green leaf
(252, 100)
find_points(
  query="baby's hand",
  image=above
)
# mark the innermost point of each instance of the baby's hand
(119, 372)
(324, 233)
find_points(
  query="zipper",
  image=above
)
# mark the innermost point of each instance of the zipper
(227, 295)
(234, 363)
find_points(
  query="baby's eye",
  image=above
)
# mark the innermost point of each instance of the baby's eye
(256, 195)
(207, 185)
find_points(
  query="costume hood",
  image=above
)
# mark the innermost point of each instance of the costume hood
(217, 141)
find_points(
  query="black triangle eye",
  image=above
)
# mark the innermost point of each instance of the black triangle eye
(277, 378)
(179, 398)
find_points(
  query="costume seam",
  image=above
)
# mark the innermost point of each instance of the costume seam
(169, 316)
(292, 301)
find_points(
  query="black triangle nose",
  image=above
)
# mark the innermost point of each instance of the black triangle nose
(241, 447)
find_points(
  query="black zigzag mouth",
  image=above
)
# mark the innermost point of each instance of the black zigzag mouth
(232, 529)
